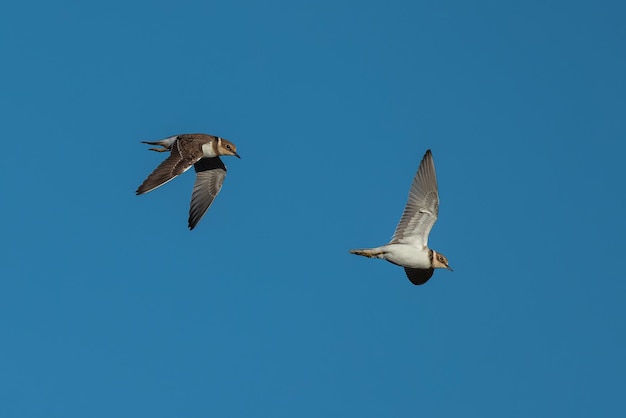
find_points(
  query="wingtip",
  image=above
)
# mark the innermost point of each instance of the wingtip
(427, 159)
(191, 222)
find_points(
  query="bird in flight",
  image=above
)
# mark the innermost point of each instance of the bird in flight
(203, 153)
(409, 246)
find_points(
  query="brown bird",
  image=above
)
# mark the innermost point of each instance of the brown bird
(203, 153)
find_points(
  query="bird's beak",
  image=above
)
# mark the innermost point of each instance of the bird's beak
(449, 268)
(237, 155)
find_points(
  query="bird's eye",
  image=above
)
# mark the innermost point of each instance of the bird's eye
(228, 146)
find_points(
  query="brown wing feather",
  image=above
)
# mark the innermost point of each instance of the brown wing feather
(171, 167)
(418, 276)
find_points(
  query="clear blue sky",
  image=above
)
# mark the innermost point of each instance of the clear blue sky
(110, 307)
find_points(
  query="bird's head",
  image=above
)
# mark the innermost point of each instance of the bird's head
(440, 261)
(227, 148)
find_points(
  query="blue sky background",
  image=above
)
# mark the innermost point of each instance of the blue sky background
(109, 306)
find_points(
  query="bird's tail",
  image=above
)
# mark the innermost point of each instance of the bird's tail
(165, 143)
(368, 252)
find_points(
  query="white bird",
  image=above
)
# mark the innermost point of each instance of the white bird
(203, 153)
(409, 246)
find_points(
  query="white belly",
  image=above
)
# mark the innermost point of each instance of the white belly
(407, 255)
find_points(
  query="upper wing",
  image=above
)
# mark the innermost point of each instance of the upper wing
(422, 208)
(210, 174)
(171, 167)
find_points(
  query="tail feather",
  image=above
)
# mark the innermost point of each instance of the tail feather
(368, 252)
(165, 143)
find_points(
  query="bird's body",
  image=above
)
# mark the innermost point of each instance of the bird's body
(409, 246)
(404, 255)
(203, 153)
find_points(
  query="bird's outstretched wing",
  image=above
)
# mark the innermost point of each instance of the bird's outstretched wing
(422, 207)
(210, 174)
(173, 166)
